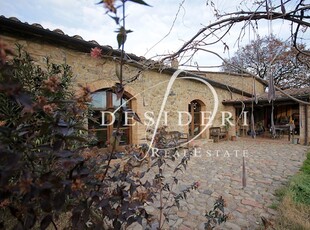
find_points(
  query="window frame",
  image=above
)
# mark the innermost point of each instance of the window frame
(109, 129)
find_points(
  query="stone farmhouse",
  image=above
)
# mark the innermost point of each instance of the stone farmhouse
(146, 89)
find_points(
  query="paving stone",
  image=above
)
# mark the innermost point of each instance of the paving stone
(201, 219)
(268, 166)
(189, 224)
(150, 209)
(231, 226)
(194, 212)
(135, 226)
(251, 203)
(184, 208)
(207, 192)
(190, 206)
(241, 222)
(173, 217)
(178, 222)
(236, 215)
(242, 210)
(272, 211)
(215, 194)
(155, 225)
(268, 182)
(253, 219)
(184, 227)
(182, 214)
(190, 201)
(234, 192)
(201, 226)
(182, 187)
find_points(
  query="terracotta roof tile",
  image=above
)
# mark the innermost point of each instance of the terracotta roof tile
(78, 37)
(37, 25)
(14, 19)
(58, 31)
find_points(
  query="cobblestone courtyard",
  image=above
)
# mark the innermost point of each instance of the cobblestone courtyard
(218, 168)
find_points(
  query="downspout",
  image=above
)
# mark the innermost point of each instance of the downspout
(306, 125)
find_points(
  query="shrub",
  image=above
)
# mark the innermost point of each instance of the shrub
(41, 127)
(305, 168)
(295, 201)
(47, 173)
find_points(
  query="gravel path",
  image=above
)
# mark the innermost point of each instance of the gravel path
(218, 168)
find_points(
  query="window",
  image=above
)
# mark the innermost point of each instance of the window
(99, 122)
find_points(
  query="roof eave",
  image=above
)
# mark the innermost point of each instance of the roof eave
(29, 31)
(20, 29)
(265, 101)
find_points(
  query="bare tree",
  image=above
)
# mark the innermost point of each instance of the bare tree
(274, 54)
(295, 12)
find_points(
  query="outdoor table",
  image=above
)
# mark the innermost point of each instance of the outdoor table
(280, 130)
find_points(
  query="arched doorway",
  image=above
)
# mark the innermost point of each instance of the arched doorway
(101, 121)
(195, 108)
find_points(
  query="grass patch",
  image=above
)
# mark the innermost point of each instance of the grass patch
(300, 188)
(292, 215)
(280, 192)
(274, 205)
(305, 168)
(294, 205)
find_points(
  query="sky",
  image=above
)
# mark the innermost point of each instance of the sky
(149, 24)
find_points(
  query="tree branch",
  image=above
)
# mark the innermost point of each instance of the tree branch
(244, 16)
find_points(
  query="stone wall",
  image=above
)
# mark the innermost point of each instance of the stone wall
(147, 90)
(242, 82)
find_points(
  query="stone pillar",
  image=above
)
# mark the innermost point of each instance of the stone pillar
(304, 124)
